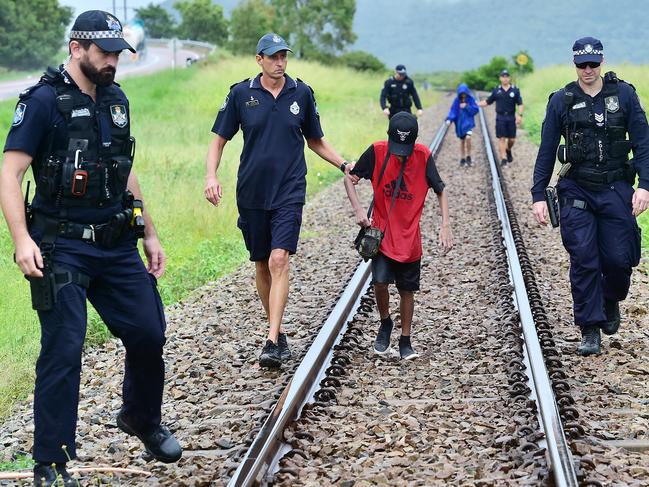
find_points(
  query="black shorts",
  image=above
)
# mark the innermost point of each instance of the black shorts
(386, 271)
(506, 127)
(265, 230)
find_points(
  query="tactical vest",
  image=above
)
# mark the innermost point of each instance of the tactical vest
(91, 168)
(598, 153)
(399, 96)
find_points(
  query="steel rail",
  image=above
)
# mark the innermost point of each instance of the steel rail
(561, 460)
(268, 446)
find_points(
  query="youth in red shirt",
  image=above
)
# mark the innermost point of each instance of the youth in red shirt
(399, 257)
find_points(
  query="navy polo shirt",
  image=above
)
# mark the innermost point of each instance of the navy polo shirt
(555, 118)
(37, 121)
(506, 101)
(272, 169)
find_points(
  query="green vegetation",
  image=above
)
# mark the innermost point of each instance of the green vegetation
(31, 32)
(362, 61)
(202, 21)
(158, 23)
(22, 462)
(250, 20)
(172, 114)
(486, 76)
(537, 87)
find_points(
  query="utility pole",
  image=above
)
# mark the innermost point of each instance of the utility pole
(114, 9)
(125, 12)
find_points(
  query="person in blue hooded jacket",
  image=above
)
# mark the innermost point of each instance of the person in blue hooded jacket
(462, 112)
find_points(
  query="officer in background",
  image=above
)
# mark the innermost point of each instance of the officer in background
(398, 90)
(598, 205)
(79, 241)
(506, 96)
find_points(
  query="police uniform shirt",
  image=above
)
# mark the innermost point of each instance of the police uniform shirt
(36, 121)
(506, 101)
(272, 169)
(555, 119)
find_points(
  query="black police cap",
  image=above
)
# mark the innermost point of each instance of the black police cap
(587, 50)
(402, 133)
(101, 28)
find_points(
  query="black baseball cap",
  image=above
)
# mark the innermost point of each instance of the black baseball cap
(587, 50)
(401, 69)
(101, 28)
(402, 133)
(271, 43)
(504, 72)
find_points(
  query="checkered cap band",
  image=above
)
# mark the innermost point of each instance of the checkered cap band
(96, 34)
(582, 52)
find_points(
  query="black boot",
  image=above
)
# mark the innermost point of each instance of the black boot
(590, 340)
(159, 442)
(48, 474)
(612, 324)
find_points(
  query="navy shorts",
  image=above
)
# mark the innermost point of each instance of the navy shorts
(265, 230)
(386, 271)
(506, 127)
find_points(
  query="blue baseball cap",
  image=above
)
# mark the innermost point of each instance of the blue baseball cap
(588, 50)
(271, 43)
(102, 29)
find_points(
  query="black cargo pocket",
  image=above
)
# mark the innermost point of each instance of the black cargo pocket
(120, 170)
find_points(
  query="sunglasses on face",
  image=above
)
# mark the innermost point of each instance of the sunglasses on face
(591, 65)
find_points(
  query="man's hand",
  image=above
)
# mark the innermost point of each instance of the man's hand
(540, 210)
(420, 112)
(29, 258)
(640, 201)
(446, 238)
(213, 190)
(519, 120)
(155, 256)
(386, 111)
(361, 218)
(352, 177)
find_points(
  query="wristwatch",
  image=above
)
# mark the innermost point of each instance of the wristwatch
(343, 166)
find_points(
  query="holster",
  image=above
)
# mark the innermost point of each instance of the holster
(43, 291)
(552, 201)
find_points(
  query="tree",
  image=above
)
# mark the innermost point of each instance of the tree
(31, 33)
(316, 26)
(202, 21)
(157, 21)
(250, 20)
(486, 76)
(362, 61)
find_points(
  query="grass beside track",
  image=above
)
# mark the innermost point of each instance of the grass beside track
(172, 115)
(536, 88)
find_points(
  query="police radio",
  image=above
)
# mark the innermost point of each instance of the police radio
(79, 177)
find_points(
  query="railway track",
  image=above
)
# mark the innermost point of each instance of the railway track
(525, 391)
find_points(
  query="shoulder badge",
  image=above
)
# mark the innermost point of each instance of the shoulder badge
(19, 114)
(118, 114)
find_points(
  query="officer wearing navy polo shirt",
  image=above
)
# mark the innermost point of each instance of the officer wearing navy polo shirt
(398, 90)
(598, 205)
(506, 97)
(80, 242)
(276, 113)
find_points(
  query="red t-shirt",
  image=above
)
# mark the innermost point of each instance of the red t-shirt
(402, 240)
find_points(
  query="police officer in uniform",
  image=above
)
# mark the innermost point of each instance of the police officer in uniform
(398, 90)
(276, 114)
(598, 205)
(79, 241)
(507, 97)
